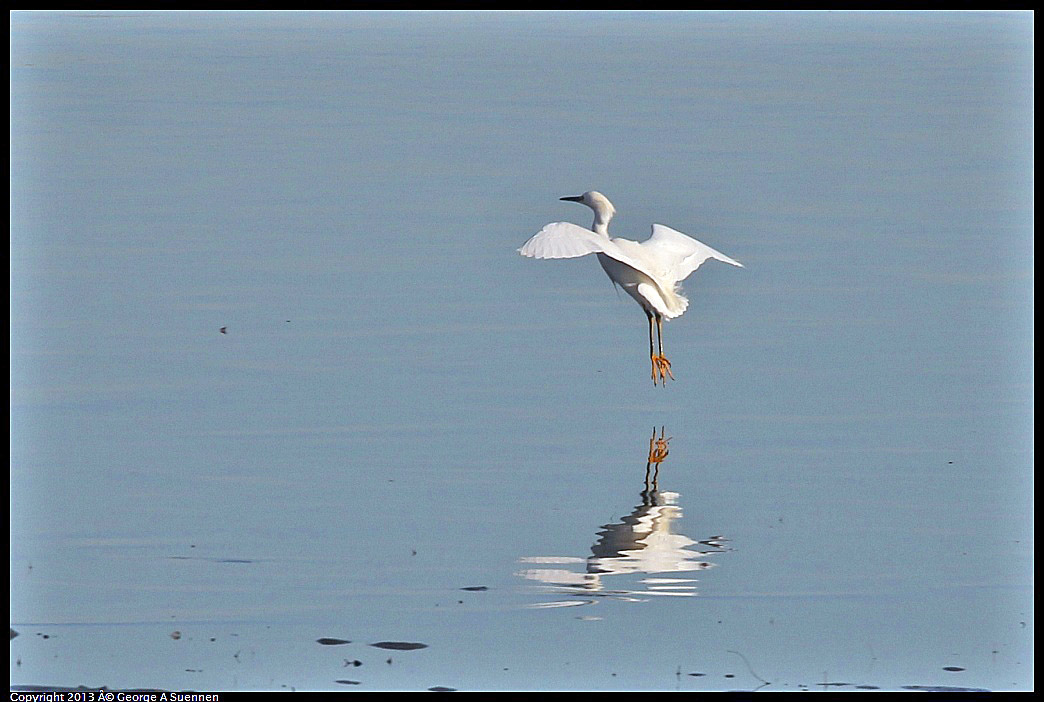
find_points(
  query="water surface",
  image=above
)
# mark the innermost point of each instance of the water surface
(408, 433)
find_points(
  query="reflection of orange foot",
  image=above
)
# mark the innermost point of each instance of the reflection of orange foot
(661, 368)
(658, 447)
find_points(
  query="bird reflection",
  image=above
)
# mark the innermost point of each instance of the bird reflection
(641, 545)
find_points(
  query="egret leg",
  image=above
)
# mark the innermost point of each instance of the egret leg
(663, 365)
(652, 350)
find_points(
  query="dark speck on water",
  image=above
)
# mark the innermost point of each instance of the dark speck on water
(442, 689)
(399, 645)
(475, 588)
(348, 682)
(953, 669)
(332, 642)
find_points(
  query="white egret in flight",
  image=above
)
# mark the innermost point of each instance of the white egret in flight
(650, 271)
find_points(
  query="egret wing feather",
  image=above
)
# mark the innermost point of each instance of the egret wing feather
(568, 240)
(562, 240)
(670, 308)
(680, 254)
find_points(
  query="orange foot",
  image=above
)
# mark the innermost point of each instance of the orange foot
(661, 368)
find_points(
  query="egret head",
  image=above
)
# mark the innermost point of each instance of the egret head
(598, 202)
(595, 200)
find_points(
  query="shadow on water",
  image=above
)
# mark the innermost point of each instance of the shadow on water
(641, 545)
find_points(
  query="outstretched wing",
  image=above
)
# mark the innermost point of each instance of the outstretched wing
(678, 254)
(568, 240)
(563, 240)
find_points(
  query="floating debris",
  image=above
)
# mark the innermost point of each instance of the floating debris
(697, 675)
(439, 688)
(953, 669)
(224, 330)
(399, 645)
(13, 633)
(475, 588)
(348, 663)
(348, 682)
(175, 635)
(943, 688)
(331, 642)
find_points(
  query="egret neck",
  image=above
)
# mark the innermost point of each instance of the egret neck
(603, 210)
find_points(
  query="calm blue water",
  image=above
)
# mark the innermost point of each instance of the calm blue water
(409, 433)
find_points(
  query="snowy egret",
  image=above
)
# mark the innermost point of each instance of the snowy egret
(650, 271)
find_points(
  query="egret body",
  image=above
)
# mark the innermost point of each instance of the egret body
(650, 271)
